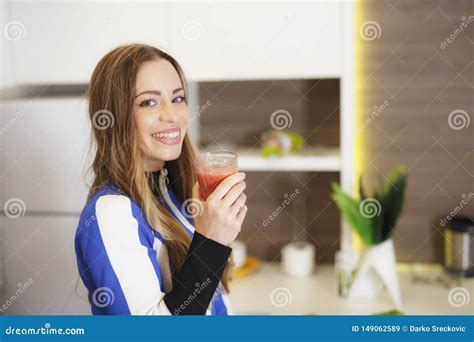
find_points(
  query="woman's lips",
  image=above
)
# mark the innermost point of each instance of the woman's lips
(171, 136)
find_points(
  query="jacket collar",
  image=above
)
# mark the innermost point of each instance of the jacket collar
(178, 212)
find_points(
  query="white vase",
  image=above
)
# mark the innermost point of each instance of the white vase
(377, 270)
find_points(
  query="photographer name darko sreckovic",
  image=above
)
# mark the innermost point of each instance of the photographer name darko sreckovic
(438, 328)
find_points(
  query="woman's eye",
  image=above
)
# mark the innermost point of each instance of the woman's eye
(147, 103)
(179, 99)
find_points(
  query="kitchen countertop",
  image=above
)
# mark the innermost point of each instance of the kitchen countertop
(422, 288)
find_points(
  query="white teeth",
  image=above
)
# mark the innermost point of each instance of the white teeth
(167, 135)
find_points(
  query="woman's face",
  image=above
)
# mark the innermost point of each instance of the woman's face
(160, 113)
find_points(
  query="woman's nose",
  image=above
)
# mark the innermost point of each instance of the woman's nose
(168, 113)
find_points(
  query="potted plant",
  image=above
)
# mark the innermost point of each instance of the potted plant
(374, 219)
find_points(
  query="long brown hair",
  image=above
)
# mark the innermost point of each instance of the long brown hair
(118, 158)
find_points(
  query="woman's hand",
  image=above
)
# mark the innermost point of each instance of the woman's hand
(220, 218)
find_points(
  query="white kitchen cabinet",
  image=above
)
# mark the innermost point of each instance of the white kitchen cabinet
(45, 144)
(5, 48)
(38, 256)
(256, 40)
(63, 41)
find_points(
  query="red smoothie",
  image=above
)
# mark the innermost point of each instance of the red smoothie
(208, 182)
(212, 168)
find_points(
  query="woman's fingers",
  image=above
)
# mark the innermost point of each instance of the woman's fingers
(224, 211)
(241, 214)
(238, 204)
(223, 188)
(234, 193)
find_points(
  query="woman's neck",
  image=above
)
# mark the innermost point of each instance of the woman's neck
(154, 165)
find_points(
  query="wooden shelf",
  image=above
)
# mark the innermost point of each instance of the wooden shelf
(317, 159)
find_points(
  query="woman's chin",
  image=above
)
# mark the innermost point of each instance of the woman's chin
(171, 154)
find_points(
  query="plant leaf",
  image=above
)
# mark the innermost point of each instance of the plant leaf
(349, 208)
(378, 220)
(393, 201)
(393, 312)
(362, 193)
(393, 177)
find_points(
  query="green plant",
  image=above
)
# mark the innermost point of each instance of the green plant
(393, 312)
(374, 218)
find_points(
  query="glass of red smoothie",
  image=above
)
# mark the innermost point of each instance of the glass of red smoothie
(212, 168)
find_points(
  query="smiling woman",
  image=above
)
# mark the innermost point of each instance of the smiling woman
(141, 253)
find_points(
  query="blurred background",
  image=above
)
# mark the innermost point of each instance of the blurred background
(308, 94)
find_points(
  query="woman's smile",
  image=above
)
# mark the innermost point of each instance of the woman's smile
(170, 136)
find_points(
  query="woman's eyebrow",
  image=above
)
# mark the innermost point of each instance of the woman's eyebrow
(157, 92)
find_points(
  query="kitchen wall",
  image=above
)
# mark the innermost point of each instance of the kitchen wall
(410, 81)
(245, 108)
(236, 114)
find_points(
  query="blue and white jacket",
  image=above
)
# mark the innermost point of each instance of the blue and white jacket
(123, 262)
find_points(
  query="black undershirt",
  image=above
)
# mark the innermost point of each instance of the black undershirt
(196, 281)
